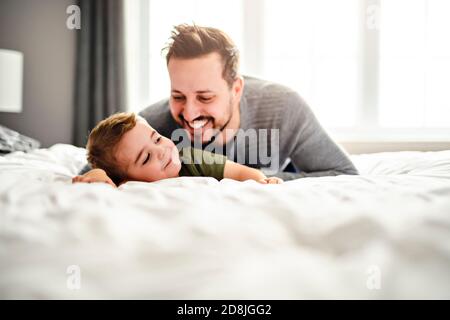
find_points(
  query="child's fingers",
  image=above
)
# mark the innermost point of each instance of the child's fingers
(92, 180)
(97, 180)
(274, 180)
(76, 179)
(110, 182)
(84, 179)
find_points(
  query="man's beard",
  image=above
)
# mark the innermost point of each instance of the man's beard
(216, 134)
(215, 128)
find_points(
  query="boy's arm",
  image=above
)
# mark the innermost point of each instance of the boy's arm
(94, 175)
(240, 172)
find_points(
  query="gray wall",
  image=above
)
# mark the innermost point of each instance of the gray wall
(38, 29)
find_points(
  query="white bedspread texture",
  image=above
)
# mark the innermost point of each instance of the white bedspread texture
(382, 234)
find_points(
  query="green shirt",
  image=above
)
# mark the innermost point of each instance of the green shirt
(200, 163)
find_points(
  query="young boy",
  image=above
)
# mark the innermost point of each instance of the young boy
(124, 147)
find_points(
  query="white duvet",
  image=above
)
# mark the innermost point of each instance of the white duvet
(383, 234)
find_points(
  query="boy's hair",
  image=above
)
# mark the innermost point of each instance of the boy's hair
(103, 141)
(192, 41)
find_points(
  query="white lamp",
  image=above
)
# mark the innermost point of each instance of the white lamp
(11, 75)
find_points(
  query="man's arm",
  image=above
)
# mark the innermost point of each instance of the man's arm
(312, 151)
(287, 176)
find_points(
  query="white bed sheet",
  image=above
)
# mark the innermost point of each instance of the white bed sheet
(382, 234)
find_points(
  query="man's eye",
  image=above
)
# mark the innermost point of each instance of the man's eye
(178, 98)
(147, 158)
(158, 139)
(205, 99)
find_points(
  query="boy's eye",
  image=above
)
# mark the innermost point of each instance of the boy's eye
(147, 158)
(158, 139)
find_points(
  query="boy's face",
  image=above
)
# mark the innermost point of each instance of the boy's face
(145, 155)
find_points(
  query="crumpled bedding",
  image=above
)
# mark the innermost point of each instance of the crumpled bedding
(384, 234)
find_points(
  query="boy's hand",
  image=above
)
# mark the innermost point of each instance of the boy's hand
(271, 180)
(95, 175)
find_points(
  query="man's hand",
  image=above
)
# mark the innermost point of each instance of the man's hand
(95, 175)
(271, 180)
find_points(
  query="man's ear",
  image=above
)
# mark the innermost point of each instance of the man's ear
(238, 87)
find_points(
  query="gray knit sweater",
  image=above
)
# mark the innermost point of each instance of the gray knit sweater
(297, 136)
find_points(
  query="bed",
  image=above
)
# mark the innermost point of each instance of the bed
(384, 234)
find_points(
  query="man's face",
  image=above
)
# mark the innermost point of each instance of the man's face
(201, 100)
(145, 155)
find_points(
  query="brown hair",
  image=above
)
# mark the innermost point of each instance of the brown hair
(192, 41)
(103, 140)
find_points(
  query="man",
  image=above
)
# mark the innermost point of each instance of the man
(251, 121)
(209, 98)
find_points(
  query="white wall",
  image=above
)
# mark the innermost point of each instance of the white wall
(38, 29)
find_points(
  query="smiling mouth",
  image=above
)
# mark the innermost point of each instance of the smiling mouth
(197, 124)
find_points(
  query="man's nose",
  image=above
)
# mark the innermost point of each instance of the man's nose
(191, 111)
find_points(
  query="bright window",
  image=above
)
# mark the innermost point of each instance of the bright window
(313, 47)
(370, 69)
(415, 63)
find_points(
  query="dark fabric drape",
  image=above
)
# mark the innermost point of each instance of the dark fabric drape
(100, 68)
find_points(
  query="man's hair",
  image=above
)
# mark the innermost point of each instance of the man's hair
(103, 140)
(192, 41)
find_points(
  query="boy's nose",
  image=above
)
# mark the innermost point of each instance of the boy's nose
(161, 152)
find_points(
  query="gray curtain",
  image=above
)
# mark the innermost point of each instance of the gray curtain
(100, 70)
